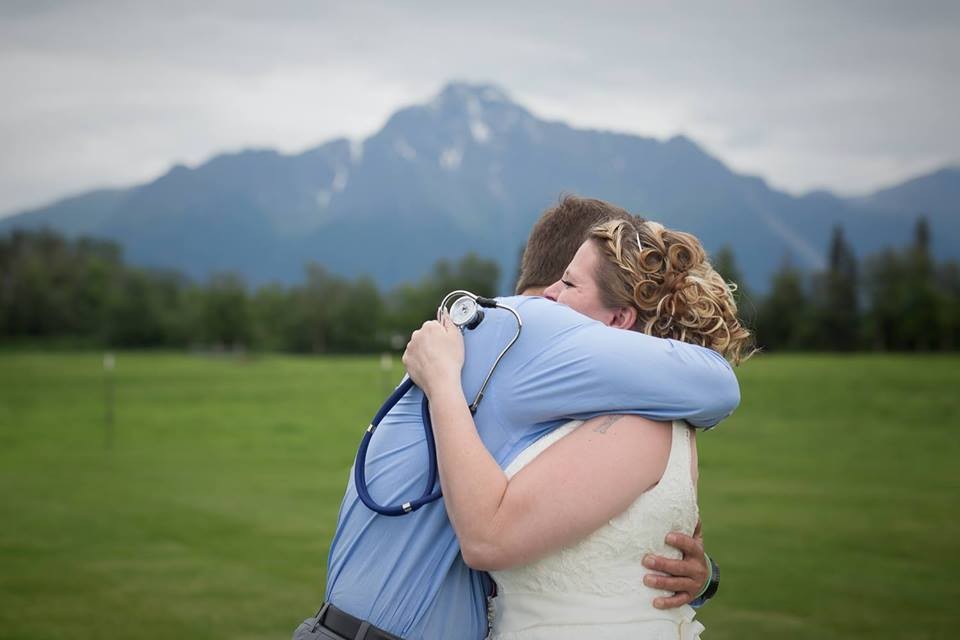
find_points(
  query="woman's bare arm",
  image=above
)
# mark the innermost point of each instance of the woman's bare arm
(568, 491)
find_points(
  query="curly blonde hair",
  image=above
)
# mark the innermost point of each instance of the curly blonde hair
(665, 275)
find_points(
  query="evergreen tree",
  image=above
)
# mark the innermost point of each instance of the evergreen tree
(886, 284)
(226, 313)
(920, 300)
(357, 318)
(782, 321)
(273, 313)
(725, 264)
(948, 320)
(314, 304)
(837, 309)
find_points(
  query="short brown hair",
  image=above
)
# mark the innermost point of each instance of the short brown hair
(665, 275)
(557, 235)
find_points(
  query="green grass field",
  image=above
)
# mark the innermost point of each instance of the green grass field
(830, 499)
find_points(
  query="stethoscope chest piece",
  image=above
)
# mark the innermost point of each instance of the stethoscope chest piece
(466, 313)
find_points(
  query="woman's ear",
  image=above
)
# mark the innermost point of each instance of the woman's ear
(624, 318)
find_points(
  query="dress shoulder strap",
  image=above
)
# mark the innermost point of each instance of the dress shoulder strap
(678, 464)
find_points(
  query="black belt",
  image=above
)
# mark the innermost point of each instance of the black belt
(351, 628)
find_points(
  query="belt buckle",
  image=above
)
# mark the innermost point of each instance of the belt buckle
(321, 614)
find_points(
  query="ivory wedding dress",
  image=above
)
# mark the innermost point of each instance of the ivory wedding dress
(594, 589)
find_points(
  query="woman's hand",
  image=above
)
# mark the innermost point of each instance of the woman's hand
(434, 355)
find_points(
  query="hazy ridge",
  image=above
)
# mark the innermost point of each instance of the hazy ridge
(470, 171)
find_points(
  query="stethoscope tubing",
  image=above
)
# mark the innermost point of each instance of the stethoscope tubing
(429, 493)
(359, 467)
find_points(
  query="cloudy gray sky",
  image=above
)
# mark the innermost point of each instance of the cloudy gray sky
(844, 95)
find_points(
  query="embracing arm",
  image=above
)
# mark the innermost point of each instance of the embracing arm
(570, 490)
(581, 369)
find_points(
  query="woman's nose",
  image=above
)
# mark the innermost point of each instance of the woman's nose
(550, 293)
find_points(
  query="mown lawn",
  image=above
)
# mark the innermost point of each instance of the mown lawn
(830, 499)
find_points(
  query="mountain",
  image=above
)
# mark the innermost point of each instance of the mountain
(926, 192)
(470, 171)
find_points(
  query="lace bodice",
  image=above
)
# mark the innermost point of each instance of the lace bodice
(608, 562)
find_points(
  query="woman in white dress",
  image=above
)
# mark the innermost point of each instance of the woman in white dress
(564, 529)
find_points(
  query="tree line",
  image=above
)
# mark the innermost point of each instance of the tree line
(82, 293)
(893, 300)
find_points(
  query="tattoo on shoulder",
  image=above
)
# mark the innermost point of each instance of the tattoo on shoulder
(608, 422)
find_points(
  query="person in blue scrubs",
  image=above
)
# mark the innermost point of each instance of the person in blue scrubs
(404, 577)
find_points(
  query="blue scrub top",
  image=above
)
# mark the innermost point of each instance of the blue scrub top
(405, 574)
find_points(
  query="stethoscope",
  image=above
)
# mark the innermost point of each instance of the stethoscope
(466, 312)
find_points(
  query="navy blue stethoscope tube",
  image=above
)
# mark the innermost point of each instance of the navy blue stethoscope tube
(359, 468)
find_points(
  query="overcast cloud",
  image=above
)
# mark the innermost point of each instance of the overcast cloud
(848, 96)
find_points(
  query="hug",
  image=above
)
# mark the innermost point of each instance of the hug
(569, 504)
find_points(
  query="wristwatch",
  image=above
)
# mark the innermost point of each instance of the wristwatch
(714, 583)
